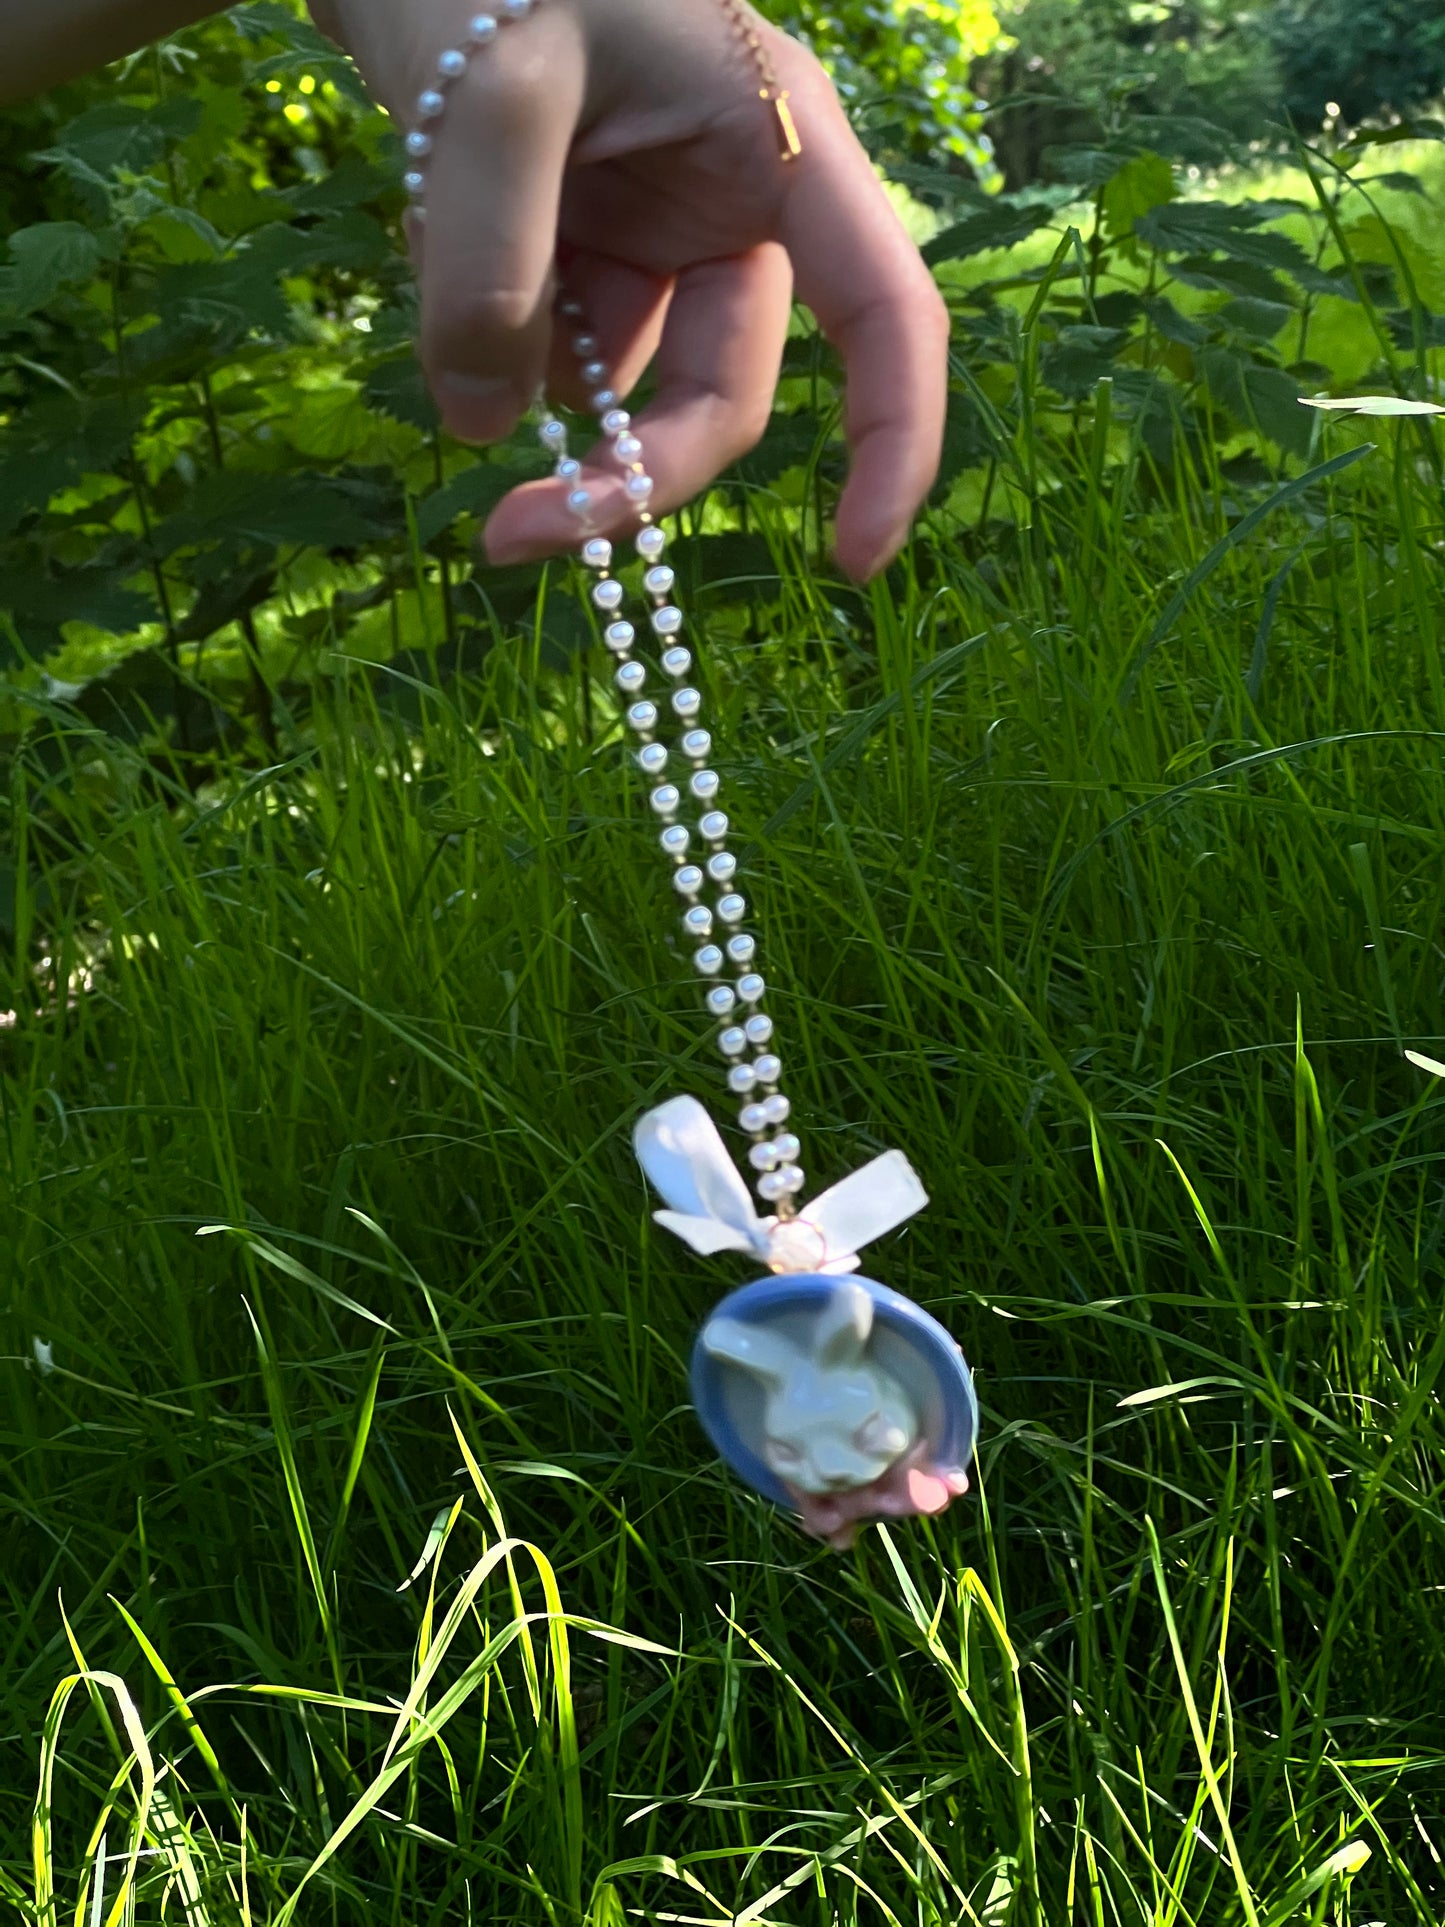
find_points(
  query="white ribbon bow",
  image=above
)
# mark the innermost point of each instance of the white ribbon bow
(710, 1207)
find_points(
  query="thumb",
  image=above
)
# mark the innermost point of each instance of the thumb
(494, 186)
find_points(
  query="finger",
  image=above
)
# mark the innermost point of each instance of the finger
(494, 183)
(876, 301)
(623, 309)
(717, 372)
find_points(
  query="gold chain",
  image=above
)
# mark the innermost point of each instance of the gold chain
(772, 90)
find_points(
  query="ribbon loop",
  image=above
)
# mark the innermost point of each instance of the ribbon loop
(710, 1208)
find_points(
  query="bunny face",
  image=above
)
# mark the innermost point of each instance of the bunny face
(833, 1420)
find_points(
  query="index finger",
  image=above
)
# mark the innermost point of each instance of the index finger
(876, 301)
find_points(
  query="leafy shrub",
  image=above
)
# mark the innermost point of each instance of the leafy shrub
(1074, 68)
(1357, 58)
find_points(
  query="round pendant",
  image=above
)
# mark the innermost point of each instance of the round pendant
(837, 1399)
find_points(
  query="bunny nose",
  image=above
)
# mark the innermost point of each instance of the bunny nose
(840, 1471)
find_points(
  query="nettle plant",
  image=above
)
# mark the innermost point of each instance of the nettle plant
(218, 454)
(219, 466)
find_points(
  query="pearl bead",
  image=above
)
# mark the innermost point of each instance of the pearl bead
(768, 1069)
(759, 1026)
(572, 310)
(793, 1180)
(686, 702)
(653, 759)
(770, 1186)
(705, 785)
(482, 30)
(714, 826)
(631, 677)
(584, 346)
(619, 636)
(452, 65)
(604, 399)
(689, 878)
(787, 1148)
(642, 716)
(709, 960)
(552, 433)
(651, 542)
(639, 487)
(733, 1041)
(579, 501)
(721, 1000)
(776, 1108)
(675, 839)
(753, 1118)
(414, 183)
(629, 450)
(607, 594)
(696, 743)
(697, 921)
(659, 581)
(568, 469)
(516, 9)
(430, 105)
(594, 373)
(732, 908)
(667, 620)
(665, 799)
(741, 1079)
(742, 949)
(751, 989)
(615, 421)
(677, 662)
(597, 552)
(762, 1157)
(420, 145)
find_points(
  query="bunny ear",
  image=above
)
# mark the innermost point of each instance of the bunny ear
(766, 1354)
(843, 1328)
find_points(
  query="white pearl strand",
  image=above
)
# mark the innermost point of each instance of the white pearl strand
(744, 1027)
(482, 30)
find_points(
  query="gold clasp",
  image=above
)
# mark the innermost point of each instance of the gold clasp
(789, 144)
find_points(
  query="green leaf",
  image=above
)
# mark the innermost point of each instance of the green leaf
(49, 257)
(1080, 358)
(994, 227)
(353, 182)
(1228, 277)
(279, 511)
(1405, 324)
(1141, 184)
(1400, 130)
(397, 387)
(1260, 397)
(1216, 227)
(475, 491)
(121, 135)
(967, 443)
(1173, 325)
(788, 443)
(1248, 315)
(39, 604)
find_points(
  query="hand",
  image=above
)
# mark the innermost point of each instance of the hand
(626, 141)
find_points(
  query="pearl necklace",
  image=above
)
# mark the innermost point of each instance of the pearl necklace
(831, 1395)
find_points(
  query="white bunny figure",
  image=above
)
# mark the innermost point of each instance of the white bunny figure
(833, 1420)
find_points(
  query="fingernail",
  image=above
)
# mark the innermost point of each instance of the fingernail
(478, 408)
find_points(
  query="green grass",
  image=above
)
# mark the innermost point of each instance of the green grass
(1116, 919)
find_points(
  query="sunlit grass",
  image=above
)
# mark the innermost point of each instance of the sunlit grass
(1114, 904)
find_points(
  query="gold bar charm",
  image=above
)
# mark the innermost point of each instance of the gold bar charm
(789, 145)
